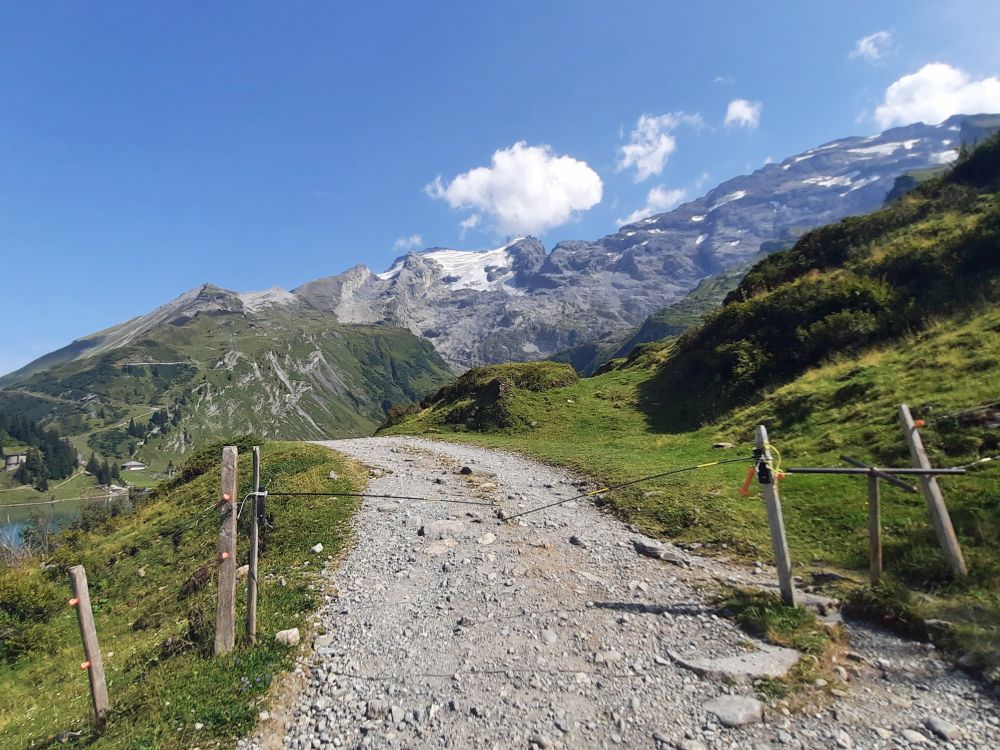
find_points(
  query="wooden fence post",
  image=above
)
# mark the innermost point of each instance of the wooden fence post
(225, 614)
(874, 527)
(932, 495)
(254, 544)
(775, 520)
(91, 650)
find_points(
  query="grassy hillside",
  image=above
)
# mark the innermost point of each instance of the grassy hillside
(821, 343)
(288, 375)
(151, 584)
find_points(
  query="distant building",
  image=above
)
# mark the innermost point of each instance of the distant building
(133, 466)
(14, 460)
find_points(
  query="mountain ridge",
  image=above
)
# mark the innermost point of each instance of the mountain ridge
(520, 302)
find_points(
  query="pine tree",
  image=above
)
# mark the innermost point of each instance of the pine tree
(104, 473)
(22, 476)
(92, 466)
(116, 472)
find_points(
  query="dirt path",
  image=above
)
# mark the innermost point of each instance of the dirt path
(480, 634)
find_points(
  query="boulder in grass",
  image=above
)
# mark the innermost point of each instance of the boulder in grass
(289, 637)
(316, 548)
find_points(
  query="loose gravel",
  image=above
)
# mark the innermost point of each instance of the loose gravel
(451, 629)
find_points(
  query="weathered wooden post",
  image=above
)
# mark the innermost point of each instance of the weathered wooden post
(225, 614)
(874, 527)
(768, 485)
(252, 561)
(91, 650)
(932, 495)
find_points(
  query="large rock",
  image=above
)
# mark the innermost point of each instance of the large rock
(289, 637)
(658, 551)
(735, 710)
(442, 529)
(766, 661)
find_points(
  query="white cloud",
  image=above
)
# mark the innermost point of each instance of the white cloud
(526, 189)
(742, 113)
(470, 222)
(934, 93)
(658, 200)
(652, 142)
(872, 47)
(408, 243)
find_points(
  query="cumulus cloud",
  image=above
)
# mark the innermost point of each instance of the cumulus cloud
(526, 189)
(658, 200)
(872, 47)
(651, 143)
(742, 113)
(408, 243)
(470, 222)
(934, 93)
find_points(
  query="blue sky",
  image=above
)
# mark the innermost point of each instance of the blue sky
(146, 148)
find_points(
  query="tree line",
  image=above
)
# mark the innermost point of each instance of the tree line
(48, 456)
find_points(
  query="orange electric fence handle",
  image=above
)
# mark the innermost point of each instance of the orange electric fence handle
(919, 423)
(745, 489)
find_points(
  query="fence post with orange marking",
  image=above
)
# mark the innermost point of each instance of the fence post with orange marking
(932, 495)
(93, 664)
(775, 519)
(225, 615)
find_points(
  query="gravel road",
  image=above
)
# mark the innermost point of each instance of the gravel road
(482, 634)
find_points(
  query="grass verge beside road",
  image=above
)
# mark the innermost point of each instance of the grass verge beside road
(152, 588)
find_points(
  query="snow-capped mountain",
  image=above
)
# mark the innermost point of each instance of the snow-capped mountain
(518, 302)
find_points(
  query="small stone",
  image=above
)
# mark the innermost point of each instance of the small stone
(914, 737)
(540, 740)
(264, 715)
(377, 710)
(316, 548)
(968, 661)
(465, 470)
(242, 572)
(689, 744)
(843, 739)
(723, 445)
(199, 726)
(397, 714)
(487, 538)
(577, 542)
(289, 637)
(549, 637)
(943, 729)
(441, 529)
(735, 710)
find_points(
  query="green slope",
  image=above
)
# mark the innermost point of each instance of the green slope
(289, 374)
(821, 343)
